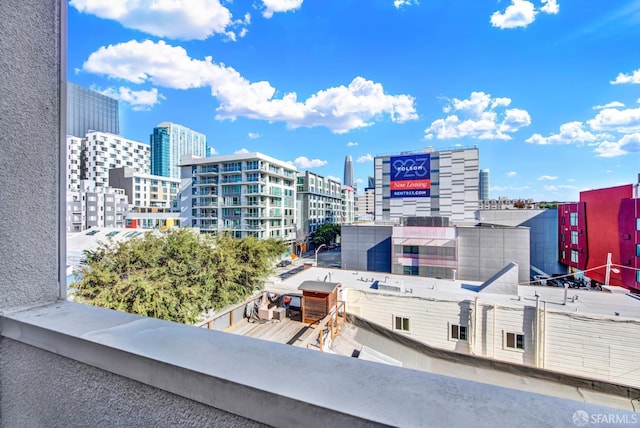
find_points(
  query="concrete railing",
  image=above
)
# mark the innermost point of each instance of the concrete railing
(249, 379)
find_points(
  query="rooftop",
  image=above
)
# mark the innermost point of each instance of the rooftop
(611, 302)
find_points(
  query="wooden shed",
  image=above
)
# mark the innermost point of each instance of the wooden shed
(319, 298)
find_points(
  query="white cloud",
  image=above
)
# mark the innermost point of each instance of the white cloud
(401, 3)
(571, 132)
(241, 151)
(340, 109)
(305, 162)
(511, 174)
(273, 6)
(624, 121)
(331, 177)
(479, 117)
(519, 13)
(365, 158)
(359, 181)
(612, 104)
(506, 188)
(138, 100)
(550, 6)
(558, 187)
(627, 144)
(633, 78)
(254, 135)
(352, 144)
(547, 178)
(176, 19)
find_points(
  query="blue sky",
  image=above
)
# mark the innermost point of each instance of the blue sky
(548, 90)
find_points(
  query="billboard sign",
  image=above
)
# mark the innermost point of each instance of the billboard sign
(410, 176)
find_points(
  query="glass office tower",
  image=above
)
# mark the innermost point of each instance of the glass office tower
(169, 142)
(89, 110)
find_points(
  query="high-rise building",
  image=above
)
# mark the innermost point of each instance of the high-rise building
(102, 151)
(169, 142)
(348, 171)
(318, 200)
(88, 110)
(428, 183)
(247, 194)
(483, 185)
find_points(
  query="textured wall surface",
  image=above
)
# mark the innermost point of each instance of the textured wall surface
(29, 171)
(40, 389)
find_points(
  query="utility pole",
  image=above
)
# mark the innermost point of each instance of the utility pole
(608, 272)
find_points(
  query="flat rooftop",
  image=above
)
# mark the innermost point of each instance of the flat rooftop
(613, 302)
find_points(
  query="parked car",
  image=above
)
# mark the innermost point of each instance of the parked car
(284, 263)
(540, 279)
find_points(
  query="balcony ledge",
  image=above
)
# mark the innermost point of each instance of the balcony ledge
(276, 384)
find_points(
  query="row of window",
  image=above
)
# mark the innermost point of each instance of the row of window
(460, 332)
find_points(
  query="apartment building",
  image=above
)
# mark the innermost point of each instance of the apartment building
(74, 161)
(246, 194)
(146, 193)
(319, 201)
(349, 207)
(102, 151)
(602, 229)
(427, 183)
(366, 204)
(95, 206)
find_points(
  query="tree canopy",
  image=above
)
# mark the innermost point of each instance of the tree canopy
(326, 233)
(177, 275)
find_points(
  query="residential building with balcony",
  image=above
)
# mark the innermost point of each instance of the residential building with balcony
(95, 206)
(319, 200)
(349, 207)
(146, 193)
(427, 183)
(246, 194)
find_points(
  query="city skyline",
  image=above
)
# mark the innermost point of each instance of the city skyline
(547, 90)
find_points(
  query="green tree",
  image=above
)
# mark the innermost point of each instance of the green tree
(177, 275)
(325, 233)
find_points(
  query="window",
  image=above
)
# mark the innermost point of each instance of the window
(514, 341)
(409, 249)
(401, 323)
(573, 219)
(410, 270)
(637, 250)
(458, 332)
(638, 276)
(638, 224)
(574, 237)
(574, 256)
